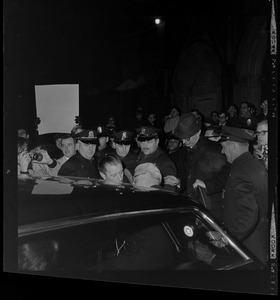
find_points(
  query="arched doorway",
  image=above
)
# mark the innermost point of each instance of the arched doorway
(197, 80)
(251, 63)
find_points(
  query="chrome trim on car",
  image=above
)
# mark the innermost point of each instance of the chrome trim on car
(39, 227)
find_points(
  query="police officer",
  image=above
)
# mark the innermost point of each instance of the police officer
(245, 210)
(121, 143)
(104, 146)
(148, 140)
(82, 164)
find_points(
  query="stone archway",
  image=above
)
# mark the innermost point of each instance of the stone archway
(249, 63)
(197, 80)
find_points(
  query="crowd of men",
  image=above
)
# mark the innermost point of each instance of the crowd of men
(220, 154)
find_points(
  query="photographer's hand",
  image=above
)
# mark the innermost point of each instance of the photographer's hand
(23, 161)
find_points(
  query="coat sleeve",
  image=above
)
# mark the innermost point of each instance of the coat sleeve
(67, 169)
(241, 209)
(54, 171)
(218, 182)
(168, 167)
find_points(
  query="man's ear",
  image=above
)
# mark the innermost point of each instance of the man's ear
(102, 175)
(113, 145)
(232, 146)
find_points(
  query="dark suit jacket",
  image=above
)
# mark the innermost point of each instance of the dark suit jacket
(161, 160)
(100, 154)
(79, 166)
(245, 209)
(205, 162)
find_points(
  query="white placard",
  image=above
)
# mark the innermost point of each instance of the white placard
(44, 187)
(57, 106)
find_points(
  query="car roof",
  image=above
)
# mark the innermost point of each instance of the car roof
(54, 198)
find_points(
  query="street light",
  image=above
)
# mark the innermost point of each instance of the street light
(158, 21)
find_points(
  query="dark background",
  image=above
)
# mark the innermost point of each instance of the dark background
(99, 45)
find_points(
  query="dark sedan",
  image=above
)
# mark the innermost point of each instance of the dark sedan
(73, 224)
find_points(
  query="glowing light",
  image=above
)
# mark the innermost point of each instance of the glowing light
(157, 21)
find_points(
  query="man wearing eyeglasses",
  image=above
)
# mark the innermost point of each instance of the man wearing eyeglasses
(246, 120)
(82, 164)
(202, 162)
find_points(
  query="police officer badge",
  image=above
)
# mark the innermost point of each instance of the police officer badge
(91, 134)
(249, 122)
(124, 135)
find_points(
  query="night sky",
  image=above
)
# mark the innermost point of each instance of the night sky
(96, 44)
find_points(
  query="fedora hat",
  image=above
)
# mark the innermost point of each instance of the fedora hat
(188, 126)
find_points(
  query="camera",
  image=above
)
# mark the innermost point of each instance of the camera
(37, 156)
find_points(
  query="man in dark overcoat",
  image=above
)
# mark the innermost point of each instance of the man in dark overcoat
(82, 164)
(200, 162)
(245, 211)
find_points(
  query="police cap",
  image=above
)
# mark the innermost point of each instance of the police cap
(146, 133)
(235, 134)
(102, 131)
(122, 137)
(87, 136)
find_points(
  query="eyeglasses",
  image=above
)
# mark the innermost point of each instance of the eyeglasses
(243, 107)
(262, 133)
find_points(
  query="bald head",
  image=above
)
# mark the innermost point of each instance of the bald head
(146, 175)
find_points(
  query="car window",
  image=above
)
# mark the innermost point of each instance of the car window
(187, 241)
